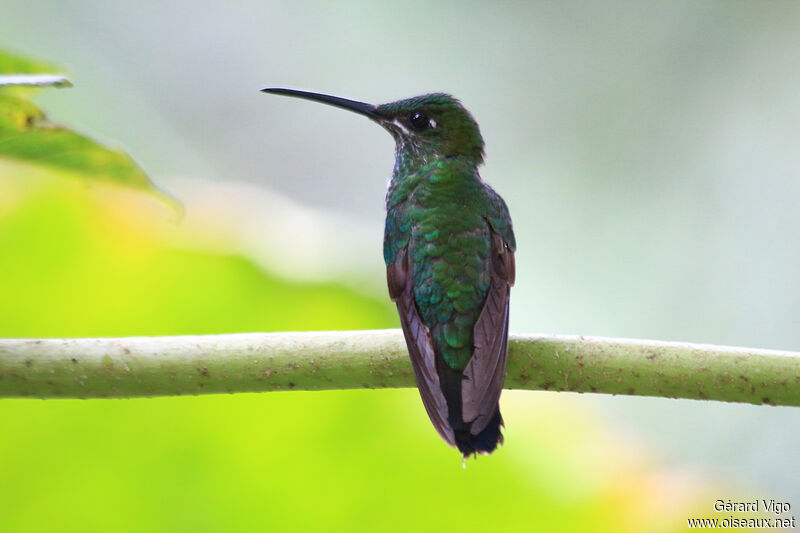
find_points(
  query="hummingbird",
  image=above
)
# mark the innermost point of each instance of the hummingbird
(449, 250)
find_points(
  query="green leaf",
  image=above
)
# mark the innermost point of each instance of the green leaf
(34, 80)
(27, 135)
(12, 64)
(18, 75)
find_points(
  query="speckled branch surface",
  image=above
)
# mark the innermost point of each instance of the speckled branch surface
(250, 362)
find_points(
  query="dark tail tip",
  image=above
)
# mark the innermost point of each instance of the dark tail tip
(484, 442)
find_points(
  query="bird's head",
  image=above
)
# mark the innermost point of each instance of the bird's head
(432, 125)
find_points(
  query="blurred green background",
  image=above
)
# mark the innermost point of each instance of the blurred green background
(648, 152)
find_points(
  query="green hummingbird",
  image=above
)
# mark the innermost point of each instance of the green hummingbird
(449, 251)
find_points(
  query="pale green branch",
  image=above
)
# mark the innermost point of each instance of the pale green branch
(251, 362)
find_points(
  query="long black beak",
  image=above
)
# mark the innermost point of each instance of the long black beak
(361, 108)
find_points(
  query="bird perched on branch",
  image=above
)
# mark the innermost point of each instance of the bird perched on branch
(449, 252)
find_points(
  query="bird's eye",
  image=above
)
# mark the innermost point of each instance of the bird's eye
(419, 121)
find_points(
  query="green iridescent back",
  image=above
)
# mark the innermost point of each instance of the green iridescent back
(448, 247)
(438, 206)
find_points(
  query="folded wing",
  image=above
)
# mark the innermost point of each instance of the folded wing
(420, 346)
(485, 373)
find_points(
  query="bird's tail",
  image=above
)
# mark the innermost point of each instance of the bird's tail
(484, 442)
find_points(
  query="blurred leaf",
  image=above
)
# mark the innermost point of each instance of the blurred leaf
(20, 75)
(27, 135)
(76, 263)
(34, 80)
(14, 64)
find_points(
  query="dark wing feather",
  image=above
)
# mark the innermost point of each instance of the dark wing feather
(485, 373)
(420, 346)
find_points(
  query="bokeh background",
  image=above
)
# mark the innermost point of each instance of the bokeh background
(648, 152)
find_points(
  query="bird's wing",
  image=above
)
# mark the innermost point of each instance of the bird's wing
(420, 345)
(485, 372)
